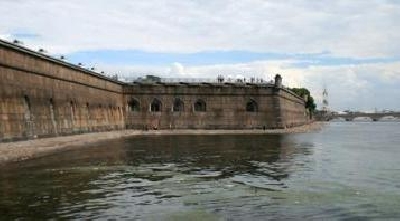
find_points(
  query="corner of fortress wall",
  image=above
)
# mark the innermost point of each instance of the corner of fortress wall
(42, 97)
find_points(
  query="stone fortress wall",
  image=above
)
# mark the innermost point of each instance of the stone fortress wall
(41, 96)
(212, 106)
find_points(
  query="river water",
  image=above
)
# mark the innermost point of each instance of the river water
(349, 170)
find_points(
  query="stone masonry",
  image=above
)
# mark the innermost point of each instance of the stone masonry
(41, 96)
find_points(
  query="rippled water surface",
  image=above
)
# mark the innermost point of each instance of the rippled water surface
(349, 170)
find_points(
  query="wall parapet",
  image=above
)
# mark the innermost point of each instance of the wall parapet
(45, 57)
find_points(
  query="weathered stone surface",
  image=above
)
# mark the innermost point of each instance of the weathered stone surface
(226, 106)
(41, 96)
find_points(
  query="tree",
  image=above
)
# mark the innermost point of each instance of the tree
(310, 105)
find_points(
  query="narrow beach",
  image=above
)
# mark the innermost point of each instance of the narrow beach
(23, 150)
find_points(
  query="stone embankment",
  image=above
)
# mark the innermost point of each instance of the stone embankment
(23, 150)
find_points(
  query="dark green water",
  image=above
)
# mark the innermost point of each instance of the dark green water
(349, 170)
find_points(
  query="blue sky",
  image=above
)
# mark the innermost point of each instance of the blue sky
(213, 57)
(351, 47)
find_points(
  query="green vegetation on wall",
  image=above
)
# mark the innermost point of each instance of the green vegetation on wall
(310, 105)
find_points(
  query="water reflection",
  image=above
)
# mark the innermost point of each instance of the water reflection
(349, 170)
(140, 177)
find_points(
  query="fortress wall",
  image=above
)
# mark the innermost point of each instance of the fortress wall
(226, 107)
(292, 109)
(40, 97)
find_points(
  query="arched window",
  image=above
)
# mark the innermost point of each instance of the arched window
(200, 106)
(134, 105)
(155, 105)
(178, 105)
(251, 106)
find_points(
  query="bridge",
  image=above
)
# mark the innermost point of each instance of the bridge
(350, 116)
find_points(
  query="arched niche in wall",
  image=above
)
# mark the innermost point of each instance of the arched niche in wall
(52, 115)
(177, 105)
(51, 108)
(133, 105)
(251, 106)
(111, 110)
(118, 113)
(200, 106)
(155, 105)
(72, 106)
(88, 117)
(27, 108)
(88, 109)
(28, 117)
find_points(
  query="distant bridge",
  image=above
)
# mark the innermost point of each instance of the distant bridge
(350, 116)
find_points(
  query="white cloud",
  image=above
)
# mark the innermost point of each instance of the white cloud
(6, 37)
(346, 28)
(363, 87)
(354, 29)
(176, 69)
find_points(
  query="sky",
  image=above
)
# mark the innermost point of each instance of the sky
(352, 48)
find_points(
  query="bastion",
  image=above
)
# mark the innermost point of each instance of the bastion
(42, 96)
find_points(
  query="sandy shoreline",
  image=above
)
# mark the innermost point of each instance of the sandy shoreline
(22, 150)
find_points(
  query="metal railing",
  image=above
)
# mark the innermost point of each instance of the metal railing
(215, 80)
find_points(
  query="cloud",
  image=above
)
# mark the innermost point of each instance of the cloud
(351, 46)
(355, 87)
(6, 37)
(176, 69)
(350, 29)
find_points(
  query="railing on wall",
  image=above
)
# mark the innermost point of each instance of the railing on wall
(215, 80)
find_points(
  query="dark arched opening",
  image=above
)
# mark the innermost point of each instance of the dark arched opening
(88, 109)
(27, 108)
(134, 105)
(51, 105)
(111, 110)
(178, 105)
(251, 106)
(155, 106)
(200, 106)
(88, 114)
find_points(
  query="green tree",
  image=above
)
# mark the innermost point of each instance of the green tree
(310, 104)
